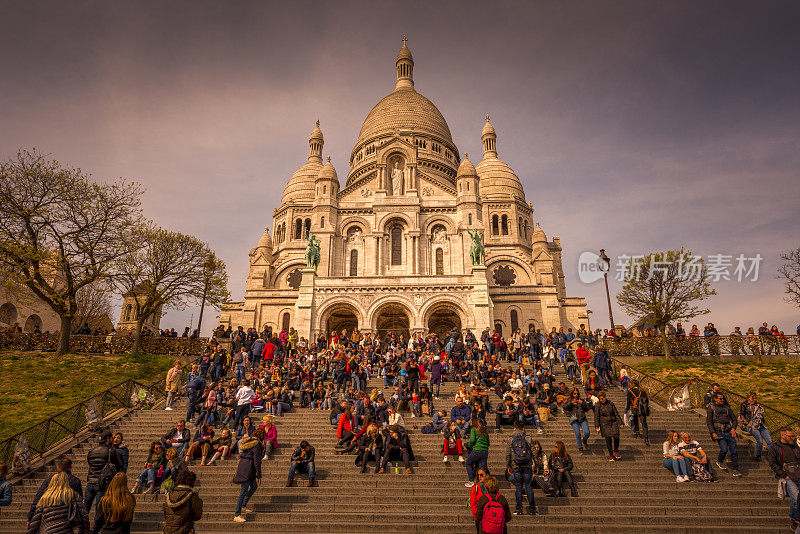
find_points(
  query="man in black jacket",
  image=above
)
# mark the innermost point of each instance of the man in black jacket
(506, 413)
(65, 465)
(302, 462)
(784, 460)
(177, 438)
(96, 459)
(721, 423)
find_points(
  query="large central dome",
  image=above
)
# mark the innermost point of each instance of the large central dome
(404, 108)
(407, 114)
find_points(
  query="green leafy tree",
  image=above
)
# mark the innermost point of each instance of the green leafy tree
(167, 270)
(60, 231)
(665, 287)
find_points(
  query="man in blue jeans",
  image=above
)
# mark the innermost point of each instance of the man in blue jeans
(302, 462)
(519, 467)
(721, 423)
(751, 413)
(784, 460)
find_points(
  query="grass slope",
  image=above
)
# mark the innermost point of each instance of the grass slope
(777, 383)
(36, 386)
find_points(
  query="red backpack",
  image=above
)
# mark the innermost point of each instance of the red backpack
(493, 520)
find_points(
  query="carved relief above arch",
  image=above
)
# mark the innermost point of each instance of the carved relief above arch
(280, 279)
(506, 267)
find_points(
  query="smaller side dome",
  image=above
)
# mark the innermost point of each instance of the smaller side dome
(327, 172)
(466, 168)
(265, 241)
(538, 235)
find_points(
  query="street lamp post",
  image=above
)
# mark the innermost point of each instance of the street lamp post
(607, 262)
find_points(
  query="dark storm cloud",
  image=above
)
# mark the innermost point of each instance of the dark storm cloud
(634, 126)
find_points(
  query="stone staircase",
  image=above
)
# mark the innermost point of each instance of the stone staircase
(635, 494)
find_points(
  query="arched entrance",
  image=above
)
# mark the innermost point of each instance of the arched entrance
(33, 322)
(392, 318)
(443, 319)
(8, 313)
(341, 317)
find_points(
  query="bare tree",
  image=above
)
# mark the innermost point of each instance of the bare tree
(215, 285)
(60, 231)
(665, 286)
(790, 273)
(94, 302)
(164, 269)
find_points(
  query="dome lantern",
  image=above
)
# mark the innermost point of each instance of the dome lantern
(315, 144)
(489, 138)
(405, 68)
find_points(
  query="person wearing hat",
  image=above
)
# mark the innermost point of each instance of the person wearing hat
(96, 460)
(436, 375)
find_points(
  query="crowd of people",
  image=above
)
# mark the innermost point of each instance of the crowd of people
(267, 375)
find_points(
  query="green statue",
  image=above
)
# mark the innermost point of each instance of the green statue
(476, 248)
(312, 252)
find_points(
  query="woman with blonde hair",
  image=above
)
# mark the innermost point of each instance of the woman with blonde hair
(53, 509)
(116, 508)
(173, 383)
(673, 459)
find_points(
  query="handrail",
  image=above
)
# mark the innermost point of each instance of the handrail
(711, 347)
(119, 343)
(51, 432)
(696, 389)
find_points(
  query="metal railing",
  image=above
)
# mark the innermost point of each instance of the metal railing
(113, 344)
(717, 347)
(693, 392)
(54, 431)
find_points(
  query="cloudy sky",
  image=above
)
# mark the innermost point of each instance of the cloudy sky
(634, 126)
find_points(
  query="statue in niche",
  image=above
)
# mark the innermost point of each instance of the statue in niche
(397, 179)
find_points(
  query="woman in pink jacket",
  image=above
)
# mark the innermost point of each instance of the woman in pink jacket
(271, 441)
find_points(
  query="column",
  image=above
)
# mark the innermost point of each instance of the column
(378, 255)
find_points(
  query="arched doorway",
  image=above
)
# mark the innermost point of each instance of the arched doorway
(342, 317)
(32, 323)
(443, 319)
(392, 318)
(8, 313)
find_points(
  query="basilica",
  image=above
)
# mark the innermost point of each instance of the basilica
(394, 238)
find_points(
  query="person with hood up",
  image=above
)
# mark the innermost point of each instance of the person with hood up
(182, 506)
(248, 472)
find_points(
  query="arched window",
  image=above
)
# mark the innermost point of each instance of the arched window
(307, 229)
(353, 263)
(469, 219)
(397, 245)
(504, 224)
(324, 189)
(439, 262)
(298, 229)
(322, 222)
(514, 321)
(286, 321)
(495, 227)
(520, 227)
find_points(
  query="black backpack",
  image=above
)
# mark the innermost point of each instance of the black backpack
(520, 450)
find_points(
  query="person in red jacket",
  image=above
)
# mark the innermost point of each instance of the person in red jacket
(268, 354)
(345, 431)
(584, 360)
(476, 493)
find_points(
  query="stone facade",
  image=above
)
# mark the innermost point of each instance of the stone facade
(127, 314)
(394, 240)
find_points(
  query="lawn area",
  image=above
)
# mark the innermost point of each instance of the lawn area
(36, 386)
(777, 383)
